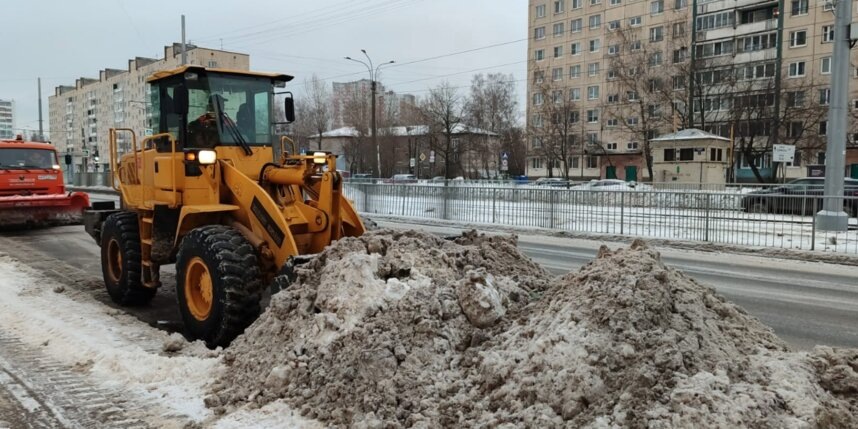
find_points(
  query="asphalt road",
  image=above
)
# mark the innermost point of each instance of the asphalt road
(807, 303)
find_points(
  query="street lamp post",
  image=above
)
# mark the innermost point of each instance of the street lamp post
(373, 74)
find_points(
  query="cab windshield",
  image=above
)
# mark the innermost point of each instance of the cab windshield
(27, 158)
(223, 110)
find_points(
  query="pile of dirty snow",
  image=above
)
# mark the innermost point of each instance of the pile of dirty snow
(402, 329)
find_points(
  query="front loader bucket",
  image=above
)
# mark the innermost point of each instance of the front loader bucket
(43, 210)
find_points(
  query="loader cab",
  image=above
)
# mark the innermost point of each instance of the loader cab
(208, 108)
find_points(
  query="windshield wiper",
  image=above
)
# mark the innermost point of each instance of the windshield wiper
(227, 123)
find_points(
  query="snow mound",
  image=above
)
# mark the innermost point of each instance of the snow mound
(404, 329)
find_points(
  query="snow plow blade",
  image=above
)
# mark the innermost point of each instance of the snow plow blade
(43, 210)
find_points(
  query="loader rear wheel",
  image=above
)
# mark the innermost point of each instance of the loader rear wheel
(121, 262)
(219, 284)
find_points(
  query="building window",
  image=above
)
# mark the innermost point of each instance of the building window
(632, 95)
(614, 98)
(557, 74)
(855, 104)
(538, 99)
(616, 2)
(656, 34)
(632, 146)
(595, 2)
(797, 38)
(799, 7)
(825, 66)
(827, 33)
(557, 96)
(576, 25)
(593, 69)
(613, 49)
(824, 96)
(593, 116)
(539, 33)
(537, 121)
(796, 69)
(611, 146)
(614, 25)
(670, 154)
(715, 20)
(635, 21)
(716, 154)
(575, 71)
(574, 162)
(593, 161)
(594, 45)
(714, 49)
(632, 121)
(558, 6)
(679, 55)
(635, 45)
(576, 4)
(575, 48)
(559, 29)
(540, 11)
(575, 94)
(595, 21)
(611, 123)
(655, 59)
(678, 29)
(757, 42)
(535, 162)
(558, 51)
(539, 54)
(593, 92)
(680, 4)
(656, 7)
(574, 117)
(686, 154)
(538, 76)
(795, 99)
(823, 128)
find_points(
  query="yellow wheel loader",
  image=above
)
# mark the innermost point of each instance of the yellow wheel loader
(207, 191)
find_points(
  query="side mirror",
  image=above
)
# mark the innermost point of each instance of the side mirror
(180, 100)
(289, 109)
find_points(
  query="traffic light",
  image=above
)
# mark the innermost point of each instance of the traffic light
(68, 159)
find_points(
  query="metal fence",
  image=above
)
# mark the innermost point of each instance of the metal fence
(782, 221)
(90, 179)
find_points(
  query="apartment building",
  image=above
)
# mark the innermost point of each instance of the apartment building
(388, 103)
(581, 53)
(625, 71)
(7, 119)
(81, 115)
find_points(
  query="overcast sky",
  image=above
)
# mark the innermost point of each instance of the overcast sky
(61, 40)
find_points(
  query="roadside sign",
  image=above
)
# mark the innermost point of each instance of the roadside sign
(504, 156)
(504, 164)
(783, 153)
(148, 132)
(413, 162)
(422, 157)
(86, 153)
(432, 156)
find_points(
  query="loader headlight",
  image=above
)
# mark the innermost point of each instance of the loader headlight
(207, 157)
(320, 157)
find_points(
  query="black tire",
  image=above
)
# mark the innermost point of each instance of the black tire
(121, 261)
(235, 284)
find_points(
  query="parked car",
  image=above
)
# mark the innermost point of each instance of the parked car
(403, 178)
(552, 182)
(437, 179)
(799, 196)
(613, 185)
(361, 178)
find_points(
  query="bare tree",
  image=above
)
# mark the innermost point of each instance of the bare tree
(356, 114)
(318, 106)
(556, 125)
(444, 111)
(492, 107)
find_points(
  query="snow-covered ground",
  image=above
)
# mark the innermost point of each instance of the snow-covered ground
(116, 353)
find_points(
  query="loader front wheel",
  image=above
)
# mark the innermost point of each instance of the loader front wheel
(121, 262)
(219, 284)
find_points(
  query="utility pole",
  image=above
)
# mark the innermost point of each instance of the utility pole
(184, 47)
(41, 128)
(373, 75)
(832, 217)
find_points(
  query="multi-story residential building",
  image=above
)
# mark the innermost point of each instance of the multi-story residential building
(7, 119)
(605, 76)
(388, 103)
(81, 115)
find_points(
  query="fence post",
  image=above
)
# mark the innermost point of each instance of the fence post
(405, 192)
(494, 202)
(813, 233)
(706, 219)
(551, 208)
(622, 212)
(365, 187)
(446, 198)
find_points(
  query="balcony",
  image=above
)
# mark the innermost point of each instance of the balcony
(770, 54)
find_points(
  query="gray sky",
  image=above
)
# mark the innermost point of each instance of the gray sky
(61, 40)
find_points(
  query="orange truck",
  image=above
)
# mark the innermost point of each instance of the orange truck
(32, 189)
